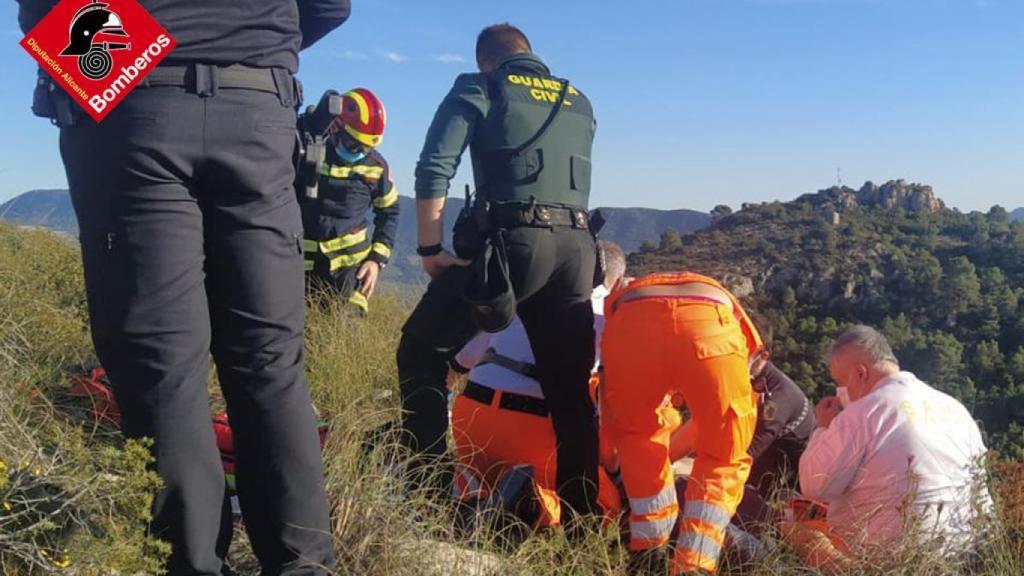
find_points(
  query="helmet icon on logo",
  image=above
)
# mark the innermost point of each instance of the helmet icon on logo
(94, 20)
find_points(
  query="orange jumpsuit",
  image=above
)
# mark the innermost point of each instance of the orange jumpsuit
(699, 348)
(489, 440)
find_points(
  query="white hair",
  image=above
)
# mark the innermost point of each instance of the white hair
(871, 342)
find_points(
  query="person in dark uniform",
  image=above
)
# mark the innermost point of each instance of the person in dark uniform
(192, 244)
(355, 178)
(530, 136)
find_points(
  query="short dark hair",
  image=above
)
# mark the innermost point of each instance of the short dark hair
(499, 41)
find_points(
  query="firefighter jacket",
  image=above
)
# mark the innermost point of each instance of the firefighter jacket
(905, 458)
(335, 223)
(495, 114)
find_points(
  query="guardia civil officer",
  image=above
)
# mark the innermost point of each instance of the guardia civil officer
(192, 244)
(530, 135)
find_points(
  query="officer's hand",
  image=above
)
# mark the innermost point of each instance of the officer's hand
(367, 275)
(827, 409)
(438, 263)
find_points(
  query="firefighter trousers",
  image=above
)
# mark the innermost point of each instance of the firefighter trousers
(192, 244)
(654, 346)
(552, 273)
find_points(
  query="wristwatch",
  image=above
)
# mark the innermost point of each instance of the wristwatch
(431, 250)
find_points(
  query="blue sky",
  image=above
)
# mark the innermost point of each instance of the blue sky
(699, 102)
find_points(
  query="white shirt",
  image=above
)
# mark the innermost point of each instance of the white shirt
(902, 454)
(512, 342)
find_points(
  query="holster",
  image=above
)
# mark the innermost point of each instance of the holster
(52, 102)
(472, 227)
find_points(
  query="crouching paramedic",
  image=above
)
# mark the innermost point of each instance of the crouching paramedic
(666, 334)
(501, 422)
(340, 251)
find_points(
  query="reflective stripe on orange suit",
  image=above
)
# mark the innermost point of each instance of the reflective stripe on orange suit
(698, 348)
(490, 440)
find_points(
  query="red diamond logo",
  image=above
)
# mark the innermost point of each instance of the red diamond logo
(97, 50)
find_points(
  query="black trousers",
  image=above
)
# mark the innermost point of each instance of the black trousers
(192, 243)
(552, 273)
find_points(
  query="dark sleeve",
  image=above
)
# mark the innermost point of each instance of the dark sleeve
(385, 217)
(30, 12)
(786, 405)
(318, 17)
(449, 134)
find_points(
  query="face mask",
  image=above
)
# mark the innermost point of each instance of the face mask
(348, 155)
(843, 393)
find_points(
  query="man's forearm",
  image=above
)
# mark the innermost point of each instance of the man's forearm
(430, 220)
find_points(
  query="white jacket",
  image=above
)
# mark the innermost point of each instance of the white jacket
(904, 460)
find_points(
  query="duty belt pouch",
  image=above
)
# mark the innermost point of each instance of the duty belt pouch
(488, 291)
(49, 101)
(471, 228)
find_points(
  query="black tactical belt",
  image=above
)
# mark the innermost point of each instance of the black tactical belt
(205, 79)
(509, 400)
(546, 215)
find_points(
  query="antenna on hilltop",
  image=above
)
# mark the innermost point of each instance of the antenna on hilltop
(839, 176)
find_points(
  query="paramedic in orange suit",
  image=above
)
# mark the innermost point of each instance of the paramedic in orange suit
(678, 333)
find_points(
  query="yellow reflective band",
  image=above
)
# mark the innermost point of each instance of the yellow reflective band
(342, 242)
(346, 260)
(310, 245)
(309, 265)
(381, 249)
(387, 200)
(364, 108)
(358, 299)
(335, 171)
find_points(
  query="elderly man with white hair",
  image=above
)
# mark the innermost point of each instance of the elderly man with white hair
(894, 459)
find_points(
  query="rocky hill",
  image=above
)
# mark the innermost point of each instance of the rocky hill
(946, 287)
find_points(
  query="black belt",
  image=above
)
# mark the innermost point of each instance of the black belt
(205, 80)
(509, 400)
(536, 214)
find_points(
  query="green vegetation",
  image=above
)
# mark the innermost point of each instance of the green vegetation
(947, 289)
(77, 486)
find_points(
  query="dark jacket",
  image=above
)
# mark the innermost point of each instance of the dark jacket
(336, 226)
(785, 420)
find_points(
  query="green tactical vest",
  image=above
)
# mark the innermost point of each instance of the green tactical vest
(556, 168)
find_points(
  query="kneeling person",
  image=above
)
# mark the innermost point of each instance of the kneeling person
(340, 252)
(678, 333)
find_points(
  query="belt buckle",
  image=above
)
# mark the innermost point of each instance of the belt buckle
(580, 218)
(543, 213)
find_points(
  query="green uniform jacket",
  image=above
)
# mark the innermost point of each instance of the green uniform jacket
(497, 112)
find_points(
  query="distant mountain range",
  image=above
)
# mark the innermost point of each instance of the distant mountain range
(628, 227)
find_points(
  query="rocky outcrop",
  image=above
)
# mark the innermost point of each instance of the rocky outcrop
(918, 198)
(911, 197)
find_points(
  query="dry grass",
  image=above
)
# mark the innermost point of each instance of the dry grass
(84, 490)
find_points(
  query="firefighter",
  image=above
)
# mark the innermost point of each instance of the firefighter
(191, 242)
(530, 136)
(666, 334)
(340, 251)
